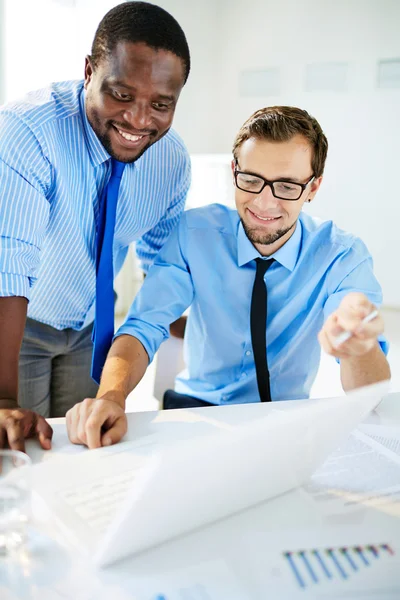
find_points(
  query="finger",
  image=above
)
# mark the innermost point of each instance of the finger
(350, 316)
(357, 302)
(350, 322)
(93, 428)
(2, 444)
(332, 333)
(15, 434)
(44, 432)
(372, 329)
(329, 347)
(332, 328)
(115, 432)
(72, 418)
(85, 409)
(2, 437)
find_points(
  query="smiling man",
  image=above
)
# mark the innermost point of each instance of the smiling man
(86, 168)
(268, 285)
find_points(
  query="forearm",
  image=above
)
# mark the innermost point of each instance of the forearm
(177, 328)
(12, 323)
(358, 371)
(125, 366)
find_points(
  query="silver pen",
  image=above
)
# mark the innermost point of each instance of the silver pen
(345, 335)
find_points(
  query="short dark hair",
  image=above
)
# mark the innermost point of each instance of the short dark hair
(140, 22)
(280, 124)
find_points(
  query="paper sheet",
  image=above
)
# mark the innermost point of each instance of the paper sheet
(83, 509)
(362, 471)
(341, 562)
(212, 580)
(60, 444)
(389, 437)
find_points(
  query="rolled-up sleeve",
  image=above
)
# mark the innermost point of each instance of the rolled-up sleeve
(165, 294)
(358, 265)
(153, 240)
(25, 178)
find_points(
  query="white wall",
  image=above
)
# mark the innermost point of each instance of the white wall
(360, 191)
(2, 51)
(40, 42)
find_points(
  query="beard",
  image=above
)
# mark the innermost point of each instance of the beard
(257, 236)
(105, 139)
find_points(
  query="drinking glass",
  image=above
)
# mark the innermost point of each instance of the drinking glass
(15, 498)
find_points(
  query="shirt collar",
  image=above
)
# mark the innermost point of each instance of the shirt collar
(287, 255)
(97, 153)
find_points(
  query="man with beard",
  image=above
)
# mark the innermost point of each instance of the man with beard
(267, 284)
(86, 168)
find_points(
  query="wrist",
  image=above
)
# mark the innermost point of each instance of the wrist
(10, 403)
(370, 353)
(112, 396)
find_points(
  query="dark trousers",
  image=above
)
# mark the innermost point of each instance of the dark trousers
(174, 400)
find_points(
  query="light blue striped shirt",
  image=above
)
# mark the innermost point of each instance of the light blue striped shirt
(209, 263)
(52, 170)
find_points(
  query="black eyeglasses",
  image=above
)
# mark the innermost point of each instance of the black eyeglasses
(284, 190)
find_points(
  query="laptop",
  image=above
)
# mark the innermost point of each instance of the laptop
(111, 502)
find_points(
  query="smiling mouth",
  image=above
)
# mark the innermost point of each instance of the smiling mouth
(129, 136)
(260, 218)
(130, 140)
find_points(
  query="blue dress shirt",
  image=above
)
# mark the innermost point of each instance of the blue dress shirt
(208, 263)
(52, 171)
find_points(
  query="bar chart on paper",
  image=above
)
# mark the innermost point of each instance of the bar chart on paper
(211, 580)
(318, 566)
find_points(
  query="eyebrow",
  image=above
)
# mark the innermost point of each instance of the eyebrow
(289, 179)
(286, 179)
(119, 83)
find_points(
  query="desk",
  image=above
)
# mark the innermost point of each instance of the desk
(230, 549)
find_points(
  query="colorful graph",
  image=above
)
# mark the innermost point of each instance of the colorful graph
(317, 565)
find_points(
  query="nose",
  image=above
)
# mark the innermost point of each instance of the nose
(138, 116)
(266, 199)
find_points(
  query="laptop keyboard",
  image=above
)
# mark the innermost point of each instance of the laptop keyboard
(97, 502)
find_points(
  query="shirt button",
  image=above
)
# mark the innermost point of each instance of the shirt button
(244, 375)
(248, 352)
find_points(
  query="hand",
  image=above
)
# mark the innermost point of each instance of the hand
(17, 425)
(348, 317)
(96, 422)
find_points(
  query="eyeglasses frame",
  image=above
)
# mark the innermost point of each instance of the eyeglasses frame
(270, 183)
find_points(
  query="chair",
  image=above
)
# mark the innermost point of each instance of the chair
(169, 362)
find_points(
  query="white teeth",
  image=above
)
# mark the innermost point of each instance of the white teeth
(129, 137)
(266, 218)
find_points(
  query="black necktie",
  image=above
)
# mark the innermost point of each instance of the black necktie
(258, 327)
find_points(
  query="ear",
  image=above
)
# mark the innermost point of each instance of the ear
(314, 187)
(233, 165)
(88, 71)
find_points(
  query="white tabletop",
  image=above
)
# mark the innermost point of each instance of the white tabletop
(195, 422)
(228, 551)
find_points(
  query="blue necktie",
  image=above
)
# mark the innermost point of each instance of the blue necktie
(103, 330)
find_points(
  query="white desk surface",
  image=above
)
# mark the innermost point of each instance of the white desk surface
(52, 571)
